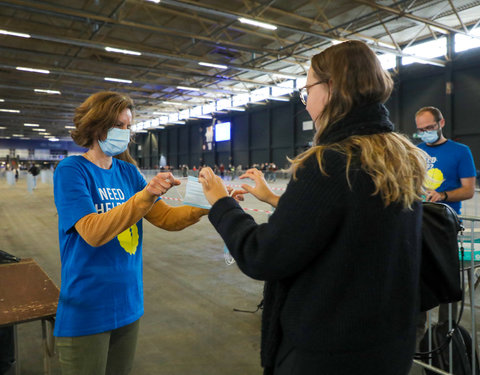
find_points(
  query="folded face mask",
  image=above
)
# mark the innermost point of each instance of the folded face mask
(194, 194)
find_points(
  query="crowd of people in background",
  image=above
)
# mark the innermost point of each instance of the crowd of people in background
(230, 172)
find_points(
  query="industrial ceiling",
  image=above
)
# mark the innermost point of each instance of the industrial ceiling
(168, 44)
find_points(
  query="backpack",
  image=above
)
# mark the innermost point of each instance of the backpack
(461, 349)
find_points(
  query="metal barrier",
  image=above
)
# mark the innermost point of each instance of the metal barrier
(470, 237)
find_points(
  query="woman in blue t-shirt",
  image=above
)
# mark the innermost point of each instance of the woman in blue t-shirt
(101, 198)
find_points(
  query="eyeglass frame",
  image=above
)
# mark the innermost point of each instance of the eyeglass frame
(429, 128)
(305, 88)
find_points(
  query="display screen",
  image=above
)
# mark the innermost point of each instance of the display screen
(222, 132)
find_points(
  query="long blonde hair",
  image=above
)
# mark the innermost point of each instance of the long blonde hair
(356, 77)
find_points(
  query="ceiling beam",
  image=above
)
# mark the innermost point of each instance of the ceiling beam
(157, 55)
(83, 16)
(408, 15)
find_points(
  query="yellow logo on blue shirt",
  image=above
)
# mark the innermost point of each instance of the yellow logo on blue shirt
(129, 239)
(434, 179)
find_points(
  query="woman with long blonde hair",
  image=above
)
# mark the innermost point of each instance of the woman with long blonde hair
(341, 252)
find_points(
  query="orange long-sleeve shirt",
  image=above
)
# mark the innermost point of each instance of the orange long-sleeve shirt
(98, 229)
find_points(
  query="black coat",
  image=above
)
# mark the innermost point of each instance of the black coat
(342, 270)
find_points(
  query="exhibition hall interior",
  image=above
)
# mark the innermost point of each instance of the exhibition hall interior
(209, 84)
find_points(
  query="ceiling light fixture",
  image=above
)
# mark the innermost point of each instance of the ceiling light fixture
(31, 125)
(174, 103)
(43, 71)
(53, 92)
(281, 75)
(69, 127)
(188, 88)
(11, 33)
(117, 80)
(257, 23)
(2, 100)
(279, 99)
(9, 110)
(39, 130)
(124, 51)
(218, 66)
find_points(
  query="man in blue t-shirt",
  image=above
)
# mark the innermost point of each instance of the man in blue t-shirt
(451, 170)
(450, 176)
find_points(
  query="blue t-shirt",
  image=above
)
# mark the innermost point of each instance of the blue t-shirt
(102, 287)
(447, 164)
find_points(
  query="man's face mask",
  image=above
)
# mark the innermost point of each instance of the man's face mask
(430, 136)
(116, 142)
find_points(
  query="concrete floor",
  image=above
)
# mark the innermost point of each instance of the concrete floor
(189, 326)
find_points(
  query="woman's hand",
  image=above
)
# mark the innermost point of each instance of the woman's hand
(160, 184)
(261, 190)
(236, 194)
(213, 186)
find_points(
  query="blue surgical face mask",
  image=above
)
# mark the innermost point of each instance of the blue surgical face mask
(116, 142)
(430, 136)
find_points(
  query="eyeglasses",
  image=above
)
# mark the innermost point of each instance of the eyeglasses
(427, 128)
(303, 92)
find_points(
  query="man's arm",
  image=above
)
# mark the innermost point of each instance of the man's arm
(466, 191)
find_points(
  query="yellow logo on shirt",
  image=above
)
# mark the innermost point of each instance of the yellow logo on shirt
(434, 179)
(129, 239)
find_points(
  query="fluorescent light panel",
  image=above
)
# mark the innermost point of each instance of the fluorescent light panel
(11, 33)
(257, 23)
(69, 127)
(281, 75)
(174, 103)
(188, 88)
(117, 80)
(53, 92)
(9, 110)
(25, 69)
(124, 51)
(279, 99)
(31, 125)
(2, 100)
(218, 66)
(39, 130)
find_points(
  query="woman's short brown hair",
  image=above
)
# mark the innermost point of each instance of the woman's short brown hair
(96, 115)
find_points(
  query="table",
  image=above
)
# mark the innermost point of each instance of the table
(28, 294)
